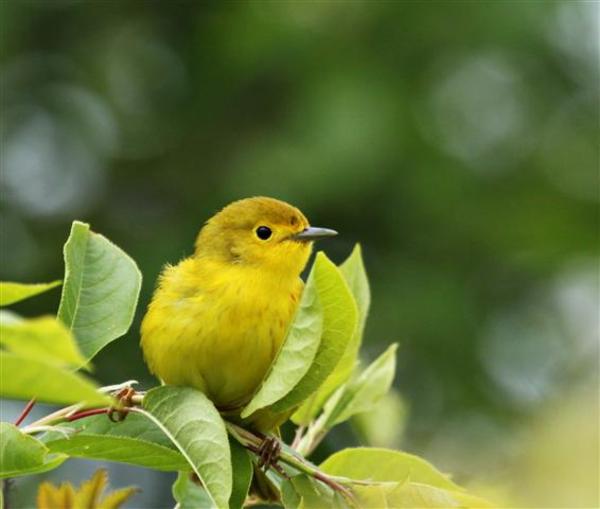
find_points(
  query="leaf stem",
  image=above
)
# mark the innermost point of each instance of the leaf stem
(53, 418)
(25, 412)
(298, 436)
(87, 413)
(314, 435)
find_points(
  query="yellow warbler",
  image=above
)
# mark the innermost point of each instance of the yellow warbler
(218, 318)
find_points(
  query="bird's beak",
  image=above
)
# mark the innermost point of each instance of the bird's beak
(314, 233)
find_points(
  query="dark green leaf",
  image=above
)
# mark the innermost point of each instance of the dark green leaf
(242, 475)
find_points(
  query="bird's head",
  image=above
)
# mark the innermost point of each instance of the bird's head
(261, 232)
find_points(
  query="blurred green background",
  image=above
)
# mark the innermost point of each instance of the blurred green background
(456, 141)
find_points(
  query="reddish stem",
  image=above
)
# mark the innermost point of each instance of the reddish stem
(87, 413)
(25, 412)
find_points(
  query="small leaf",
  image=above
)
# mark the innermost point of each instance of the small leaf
(385, 465)
(101, 288)
(297, 352)
(194, 425)
(136, 441)
(21, 454)
(340, 319)
(14, 292)
(43, 338)
(303, 492)
(242, 475)
(190, 495)
(353, 271)
(364, 392)
(24, 378)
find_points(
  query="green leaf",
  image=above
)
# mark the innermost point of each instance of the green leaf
(136, 441)
(353, 271)
(364, 392)
(26, 378)
(242, 475)
(340, 318)
(21, 454)
(418, 496)
(384, 424)
(303, 492)
(385, 465)
(297, 352)
(375, 496)
(100, 292)
(14, 292)
(194, 425)
(190, 495)
(43, 338)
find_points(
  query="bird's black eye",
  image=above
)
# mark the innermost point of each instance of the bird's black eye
(263, 232)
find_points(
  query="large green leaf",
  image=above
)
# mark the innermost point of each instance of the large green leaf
(194, 425)
(100, 291)
(364, 392)
(242, 475)
(21, 454)
(385, 465)
(14, 292)
(353, 271)
(26, 378)
(136, 441)
(340, 319)
(44, 338)
(297, 352)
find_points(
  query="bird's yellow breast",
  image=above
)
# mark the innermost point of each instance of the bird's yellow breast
(218, 326)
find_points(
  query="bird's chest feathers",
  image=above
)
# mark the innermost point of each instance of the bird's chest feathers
(243, 308)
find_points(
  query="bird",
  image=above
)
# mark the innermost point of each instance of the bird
(218, 318)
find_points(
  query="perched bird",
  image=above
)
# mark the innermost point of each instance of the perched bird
(218, 318)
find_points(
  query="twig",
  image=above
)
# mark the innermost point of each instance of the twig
(25, 412)
(298, 436)
(86, 413)
(312, 438)
(73, 412)
(252, 442)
